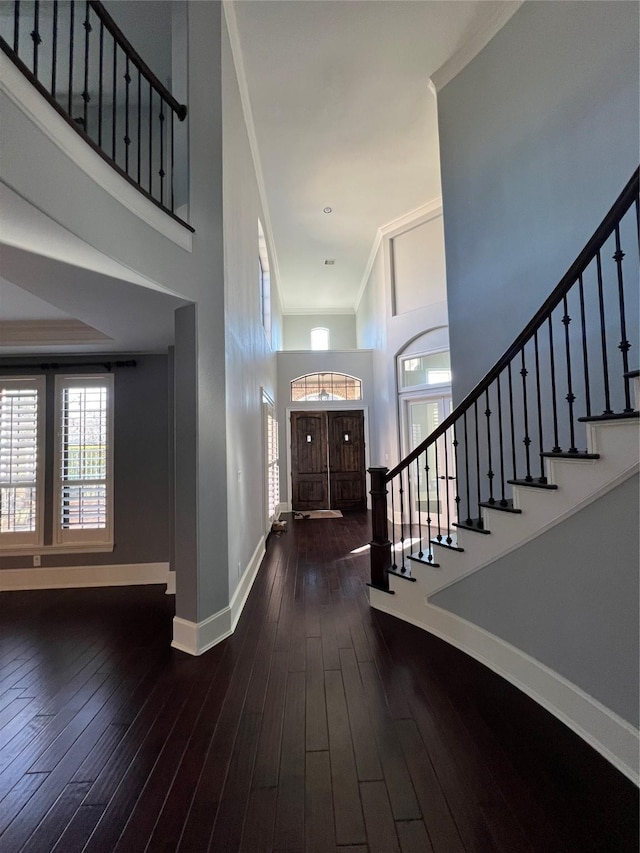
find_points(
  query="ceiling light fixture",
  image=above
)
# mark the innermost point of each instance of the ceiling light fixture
(327, 209)
(329, 262)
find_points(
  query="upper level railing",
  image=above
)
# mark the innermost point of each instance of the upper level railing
(570, 364)
(77, 57)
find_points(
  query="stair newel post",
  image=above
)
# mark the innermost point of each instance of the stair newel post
(380, 546)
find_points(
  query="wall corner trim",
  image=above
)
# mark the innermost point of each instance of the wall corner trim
(472, 47)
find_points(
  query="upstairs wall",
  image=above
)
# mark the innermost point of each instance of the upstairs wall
(538, 136)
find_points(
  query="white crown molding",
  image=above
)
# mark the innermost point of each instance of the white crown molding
(614, 738)
(426, 211)
(300, 311)
(29, 100)
(238, 61)
(472, 47)
(76, 577)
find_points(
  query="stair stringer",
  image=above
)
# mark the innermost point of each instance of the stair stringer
(579, 483)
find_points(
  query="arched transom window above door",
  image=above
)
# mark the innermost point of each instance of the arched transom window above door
(325, 387)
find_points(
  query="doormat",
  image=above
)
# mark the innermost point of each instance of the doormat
(318, 513)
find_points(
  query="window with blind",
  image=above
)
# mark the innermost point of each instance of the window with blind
(22, 428)
(83, 499)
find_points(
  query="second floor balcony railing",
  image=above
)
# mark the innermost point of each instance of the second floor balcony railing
(75, 54)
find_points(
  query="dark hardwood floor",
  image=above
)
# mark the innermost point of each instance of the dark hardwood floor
(320, 725)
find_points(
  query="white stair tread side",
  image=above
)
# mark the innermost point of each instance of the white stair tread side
(581, 481)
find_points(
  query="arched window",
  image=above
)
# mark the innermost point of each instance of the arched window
(319, 338)
(324, 387)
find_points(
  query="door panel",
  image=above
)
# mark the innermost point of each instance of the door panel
(309, 460)
(327, 460)
(346, 460)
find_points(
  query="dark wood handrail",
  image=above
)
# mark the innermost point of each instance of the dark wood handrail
(179, 109)
(626, 198)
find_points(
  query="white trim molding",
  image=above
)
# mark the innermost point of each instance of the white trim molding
(196, 638)
(614, 738)
(479, 39)
(76, 577)
(27, 98)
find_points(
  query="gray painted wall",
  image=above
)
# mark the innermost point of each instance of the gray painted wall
(297, 330)
(569, 599)
(250, 357)
(141, 462)
(538, 135)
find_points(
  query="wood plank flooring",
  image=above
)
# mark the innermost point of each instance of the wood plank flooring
(320, 726)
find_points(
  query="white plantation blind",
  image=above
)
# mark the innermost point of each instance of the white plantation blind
(21, 458)
(84, 458)
(273, 468)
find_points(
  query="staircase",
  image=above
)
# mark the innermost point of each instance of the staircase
(550, 429)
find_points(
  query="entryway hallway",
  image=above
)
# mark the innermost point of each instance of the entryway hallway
(320, 726)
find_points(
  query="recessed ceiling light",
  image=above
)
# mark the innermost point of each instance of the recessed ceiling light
(327, 209)
(329, 262)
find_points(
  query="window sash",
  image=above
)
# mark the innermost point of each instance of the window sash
(22, 430)
(83, 460)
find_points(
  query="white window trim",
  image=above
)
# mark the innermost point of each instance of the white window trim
(86, 540)
(31, 540)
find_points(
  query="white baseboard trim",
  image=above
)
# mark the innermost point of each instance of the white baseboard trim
(241, 593)
(614, 738)
(282, 507)
(196, 638)
(171, 583)
(75, 577)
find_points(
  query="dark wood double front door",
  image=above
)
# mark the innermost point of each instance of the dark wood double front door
(327, 460)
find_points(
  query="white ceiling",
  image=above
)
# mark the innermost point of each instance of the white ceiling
(344, 117)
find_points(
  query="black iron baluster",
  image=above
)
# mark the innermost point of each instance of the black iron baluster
(100, 63)
(570, 395)
(150, 139)
(513, 431)
(401, 497)
(35, 35)
(71, 28)
(638, 220)
(85, 93)
(466, 467)
(161, 171)
(490, 473)
(126, 138)
(455, 473)
(115, 99)
(172, 124)
(16, 25)
(554, 404)
(478, 496)
(543, 477)
(54, 46)
(603, 337)
(525, 410)
(585, 358)
(449, 540)
(139, 125)
(503, 497)
(410, 503)
(426, 470)
(394, 564)
(438, 505)
(624, 346)
(420, 551)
